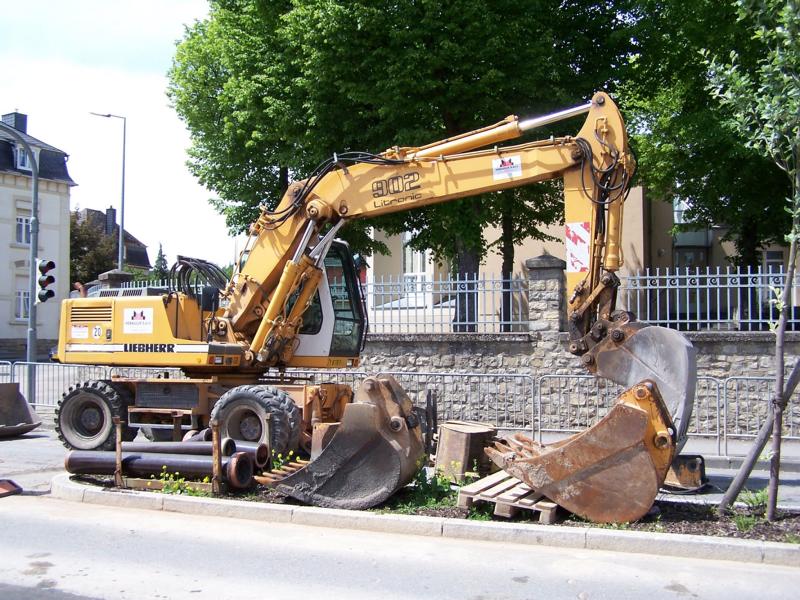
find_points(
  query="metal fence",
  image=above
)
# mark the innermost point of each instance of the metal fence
(44, 383)
(725, 410)
(688, 299)
(418, 303)
(6, 375)
(718, 298)
(415, 303)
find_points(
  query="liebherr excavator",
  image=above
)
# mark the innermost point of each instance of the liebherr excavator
(295, 301)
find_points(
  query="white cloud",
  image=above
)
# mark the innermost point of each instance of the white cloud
(163, 202)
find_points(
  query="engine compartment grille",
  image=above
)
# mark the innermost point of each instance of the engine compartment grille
(90, 314)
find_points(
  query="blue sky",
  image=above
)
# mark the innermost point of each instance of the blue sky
(63, 59)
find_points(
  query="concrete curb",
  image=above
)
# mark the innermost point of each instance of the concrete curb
(661, 544)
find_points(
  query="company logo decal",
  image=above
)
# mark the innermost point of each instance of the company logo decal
(137, 320)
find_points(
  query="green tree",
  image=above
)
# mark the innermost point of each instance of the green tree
(685, 148)
(764, 104)
(91, 251)
(273, 88)
(160, 268)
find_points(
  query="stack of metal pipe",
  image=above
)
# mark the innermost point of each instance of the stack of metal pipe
(191, 458)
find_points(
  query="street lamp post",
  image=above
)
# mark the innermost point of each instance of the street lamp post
(120, 261)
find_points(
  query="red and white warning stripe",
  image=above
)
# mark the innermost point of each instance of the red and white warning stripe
(577, 242)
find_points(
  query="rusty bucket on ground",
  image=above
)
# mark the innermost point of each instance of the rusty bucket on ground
(376, 450)
(610, 473)
(16, 415)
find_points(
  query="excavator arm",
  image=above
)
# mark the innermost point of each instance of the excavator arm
(596, 167)
(610, 472)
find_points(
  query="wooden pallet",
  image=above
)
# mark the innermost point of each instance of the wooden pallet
(509, 495)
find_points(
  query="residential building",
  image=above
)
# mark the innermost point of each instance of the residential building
(16, 183)
(134, 252)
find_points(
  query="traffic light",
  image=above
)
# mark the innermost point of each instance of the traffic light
(45, 266)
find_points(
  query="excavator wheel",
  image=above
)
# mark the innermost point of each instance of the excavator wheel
(242, 415)
(84, 416)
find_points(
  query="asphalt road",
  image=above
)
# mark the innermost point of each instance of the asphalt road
(49, 545)
(52, 549)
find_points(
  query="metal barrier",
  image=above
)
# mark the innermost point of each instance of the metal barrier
(6, 372)
(745, 407)
(731, 409)
(146, 372)
(314, 376)
(505, 400)
(414, 303)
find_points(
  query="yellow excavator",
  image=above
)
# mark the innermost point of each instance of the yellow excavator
(295, 301)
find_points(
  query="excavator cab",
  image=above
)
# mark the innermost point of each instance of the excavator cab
(335, 323)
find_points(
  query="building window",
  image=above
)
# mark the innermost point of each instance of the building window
(23, 234)
(773, 261)
(679, 207)
(22, 158)
(21, 304)
(414, 261)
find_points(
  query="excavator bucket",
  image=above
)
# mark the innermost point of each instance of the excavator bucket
(609, 473)
(376, 450)
(16, 416)
(660, 355)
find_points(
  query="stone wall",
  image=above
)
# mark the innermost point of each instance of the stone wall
(719, 354)
(16, 349)
(569, 404)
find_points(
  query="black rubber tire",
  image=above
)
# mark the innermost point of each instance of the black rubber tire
(242, 411)
(85, 412)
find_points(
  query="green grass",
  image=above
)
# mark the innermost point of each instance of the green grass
(173, 483)
(423, 492)
(745, 523)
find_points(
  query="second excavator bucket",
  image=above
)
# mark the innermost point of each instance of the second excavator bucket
(16, 415)
(609, 473)
(376, 450)
(658, 354)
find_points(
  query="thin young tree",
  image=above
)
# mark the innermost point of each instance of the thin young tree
(765, 104)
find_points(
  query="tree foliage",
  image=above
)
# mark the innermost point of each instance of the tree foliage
(160, 268)
(91, 251)
(266, 86)
(685, 147)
